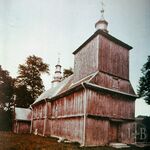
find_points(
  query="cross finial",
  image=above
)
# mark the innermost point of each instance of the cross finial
(102, 23)
(102, 10)
(58, 57)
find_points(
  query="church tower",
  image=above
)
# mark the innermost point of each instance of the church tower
(57, 76)
(105, 55)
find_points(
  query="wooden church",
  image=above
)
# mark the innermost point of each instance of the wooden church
(94, 106)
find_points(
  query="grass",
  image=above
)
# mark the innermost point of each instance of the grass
(11, 141)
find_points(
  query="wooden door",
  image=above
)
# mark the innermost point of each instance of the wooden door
(113, 132)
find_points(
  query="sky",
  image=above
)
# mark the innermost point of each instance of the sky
(48, 27)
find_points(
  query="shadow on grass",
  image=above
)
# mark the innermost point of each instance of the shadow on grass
(11, 141)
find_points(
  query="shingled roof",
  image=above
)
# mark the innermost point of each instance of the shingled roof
(66, 85)
(23, 114)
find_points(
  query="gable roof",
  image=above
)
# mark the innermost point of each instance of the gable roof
(108, 36)
(62, 87)
(55, 90)
(22, 114)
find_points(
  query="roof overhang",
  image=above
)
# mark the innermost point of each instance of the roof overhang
(89, 86)
(108, 90)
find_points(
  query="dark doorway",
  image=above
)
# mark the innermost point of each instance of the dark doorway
(114, 132)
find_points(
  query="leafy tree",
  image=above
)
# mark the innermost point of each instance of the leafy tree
(23, 98)
(146, 122)
(67, 72)
(6, 90)
(6, 99)
(29, 84)
(144, 82)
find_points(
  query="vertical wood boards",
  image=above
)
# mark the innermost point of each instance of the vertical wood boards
(96, 132)
(112, 82)
(114, 132)
(69, 128)
(113, 58)
(64, 117)
(39, 114)
(101, 54)
(86, 60)
(109, 105)
(22, 126)
(127, 133)
(68, 105)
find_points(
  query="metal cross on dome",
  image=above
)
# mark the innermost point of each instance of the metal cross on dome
(58, 57)
(102, 10)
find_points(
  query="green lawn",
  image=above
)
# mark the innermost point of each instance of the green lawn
(11, 141)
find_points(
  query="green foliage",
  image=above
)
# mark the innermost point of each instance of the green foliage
(29, 84)
(146, 122)
(6, 90)
(67, 72)
(144, 82)
(23, 98)
(6, 120)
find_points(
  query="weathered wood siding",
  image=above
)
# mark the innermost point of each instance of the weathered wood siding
(48, 121)
(86, 60)
(69, 128)
(39, 116)
(104, 55)
(104, 104)
(22, 126)
(38, 125)
(62, 117)
(96, 132)
(112, 82)
(127, 133)
(67, 117)
(68, 105)
(113, 58)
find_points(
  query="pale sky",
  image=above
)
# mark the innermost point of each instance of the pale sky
(46, 27)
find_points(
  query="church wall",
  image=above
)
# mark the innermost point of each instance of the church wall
(48, 127)
(38, 126)
(110, 105)
(96, 132)
(39, 116)
(86, 60)
(70, 105)
(68, 128)
(67, 117)
(113, 58)
(127, 132)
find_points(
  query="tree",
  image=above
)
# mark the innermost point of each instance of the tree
(67, 72)
(29, 84)
(23, 98)
(146, 122)
(6, 99)
(6, 90)
(144, 82)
